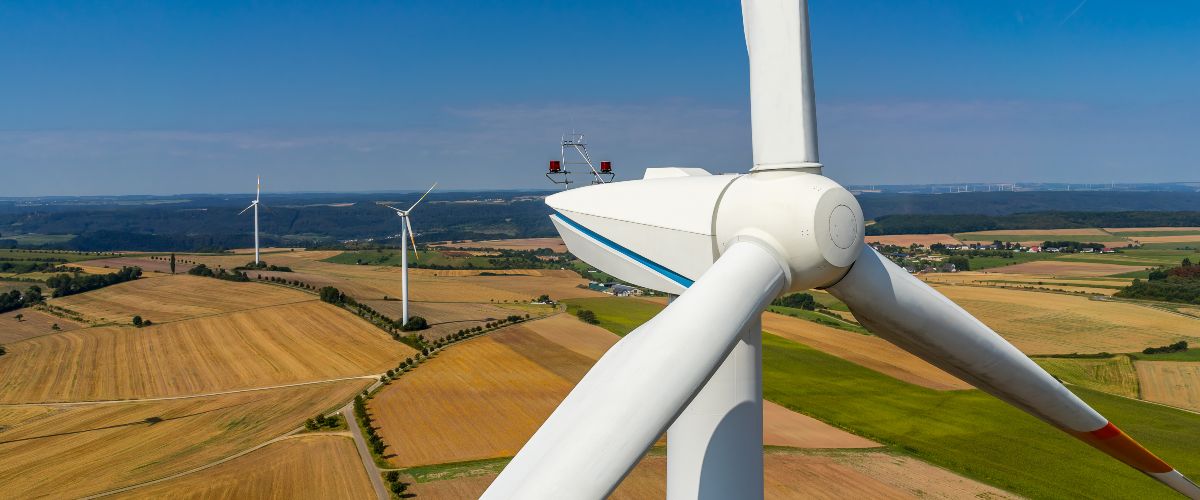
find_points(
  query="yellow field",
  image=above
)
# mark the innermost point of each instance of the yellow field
(33, 323)
(484, 398)
(906, 240)
(1050, 323)
(172, 298)
(1066, 268)
(61, 452)
(1085, 231)
(787, 475)
(1113, 375)
(1176, 383)
(1183, 238)
(446, 318)
(1146, 229)
(264, 347)
(304, 466)
(871, 352)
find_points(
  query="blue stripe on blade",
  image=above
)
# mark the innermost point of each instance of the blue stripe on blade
(654, 266)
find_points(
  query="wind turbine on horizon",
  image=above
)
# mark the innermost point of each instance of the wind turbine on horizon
(254, 205)
(406, 235)
(726, 246)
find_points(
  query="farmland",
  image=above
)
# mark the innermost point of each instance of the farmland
(1114, 375)
(1170, 382)
(904, 240)
(48, 450)
(309, 466)
(33, 323)
(174, 298)
(269, 346)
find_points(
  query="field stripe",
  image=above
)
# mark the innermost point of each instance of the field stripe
(192, 396)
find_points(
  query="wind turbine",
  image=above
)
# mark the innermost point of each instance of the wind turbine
(406, 235)
(727, 245)
(254, 205)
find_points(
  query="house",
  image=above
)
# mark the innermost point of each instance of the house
(624, 291)
(1034, 249)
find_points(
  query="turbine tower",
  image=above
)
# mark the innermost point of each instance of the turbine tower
(406, 235)
(728, 245)
(254, 205)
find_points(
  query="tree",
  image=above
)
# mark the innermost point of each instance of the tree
(137, 321)
(797, 300)
(543, 298)
(172, 262)
(20, 317)
(3, 351)
(332, 295)
(587, 316)
(415, 323)
(55, 327)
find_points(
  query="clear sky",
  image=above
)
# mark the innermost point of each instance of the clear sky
(155, 97)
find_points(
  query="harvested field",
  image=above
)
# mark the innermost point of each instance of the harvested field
(1085, 231)
(173, 298)
(147, 264)
(446, 318)
(33, 323)
(906, 240)
(1150, 229)
(1050, 323)
(1113, 375)
(992, 276)
(260, 348)
(1066, 268)
(303, 466)
(75, 451)
(1189, 238)
(486, 397)
(787, 475)
(1175, 383)
(868, 351)
(555, 244)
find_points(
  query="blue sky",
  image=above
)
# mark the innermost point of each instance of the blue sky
(176, 97)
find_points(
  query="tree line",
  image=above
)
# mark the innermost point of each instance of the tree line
(71, 284)
(965, 223)
(1169, 284)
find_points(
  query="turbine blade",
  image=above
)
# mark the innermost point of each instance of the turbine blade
(634, 392)
(245, 209)
(905, 311)
(414, 205)
(411, 237)
(783, 113)
(258, 188)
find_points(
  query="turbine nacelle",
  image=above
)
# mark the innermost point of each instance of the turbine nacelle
(664, 231)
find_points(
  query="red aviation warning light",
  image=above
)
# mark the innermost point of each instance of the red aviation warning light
(559, 171)
(555, 166)
(606, 167)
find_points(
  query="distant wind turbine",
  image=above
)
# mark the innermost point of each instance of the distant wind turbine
(406, 235)
(254, 205)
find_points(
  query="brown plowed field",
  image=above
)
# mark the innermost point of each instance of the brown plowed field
(33, 323)
(1054, 323)
(304, 466)
(787, 475)
(172, 298)
(868, 351)
(1176, 383)
(486, 397)
(906, 240)
(259, 348)
(67, 452)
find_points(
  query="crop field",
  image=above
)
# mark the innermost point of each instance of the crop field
(1142, 257)
(264, 347)
(60, 451)
(484, 398)
(906, 240)
(33, 323)
(446, 318)
(808, 474)
(1050, 323)
(1036, 237)
(1151, 231)
(555, 244)
(431, 257)
(1174, 238)
(1113, 375)
(619, 315)
(1067, 268)
(305, 466)
(1174, 383)
(173, 298)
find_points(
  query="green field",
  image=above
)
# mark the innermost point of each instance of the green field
(39, 239)
(1192, 354)
(821, 319)
(1113, 375)
(619, 315)
(968, 432)
(980, 263)
(1129, 234)
(1148, 257)
(1082, 238)
(829, 301)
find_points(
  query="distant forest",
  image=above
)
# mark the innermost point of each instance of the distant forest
(210, 222)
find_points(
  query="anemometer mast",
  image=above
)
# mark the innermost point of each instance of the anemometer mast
(560, 173)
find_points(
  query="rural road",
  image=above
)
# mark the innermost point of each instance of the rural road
(368, 463)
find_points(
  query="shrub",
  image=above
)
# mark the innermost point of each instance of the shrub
(587, 316)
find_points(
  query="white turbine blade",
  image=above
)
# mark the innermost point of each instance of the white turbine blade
(258, 189)
(640, 386)
(398, 211)
(783, 113)
(245, 209)
(904, 310)
(414, 205)
(411, 237)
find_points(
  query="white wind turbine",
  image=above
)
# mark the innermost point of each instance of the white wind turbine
(406, 235)
(727, 245)
(254, 205)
